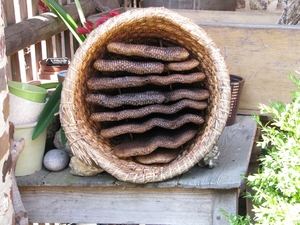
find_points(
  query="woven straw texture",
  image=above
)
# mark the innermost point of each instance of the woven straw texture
(138, 24)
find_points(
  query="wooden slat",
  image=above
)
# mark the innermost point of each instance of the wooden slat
(226, 199)
(38, 55)
(33, 180)
(65, 178)
(192, 4)
(124, 205)
(121, 205)
(8, 7)
(254, 17)
(15, 68)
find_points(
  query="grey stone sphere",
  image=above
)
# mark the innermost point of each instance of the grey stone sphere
(56, 160)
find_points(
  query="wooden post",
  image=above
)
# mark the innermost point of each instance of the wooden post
(6, 206)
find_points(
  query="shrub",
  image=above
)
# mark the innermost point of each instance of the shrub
(277, 183)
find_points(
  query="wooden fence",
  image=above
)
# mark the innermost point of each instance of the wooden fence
(23, 65)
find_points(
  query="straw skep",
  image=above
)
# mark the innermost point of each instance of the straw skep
(94, 142)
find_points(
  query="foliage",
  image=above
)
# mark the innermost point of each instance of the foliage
(236, 220)
(277, 183)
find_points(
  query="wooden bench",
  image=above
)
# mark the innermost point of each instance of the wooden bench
(195, 197)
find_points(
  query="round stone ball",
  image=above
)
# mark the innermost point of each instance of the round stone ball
(56, 160)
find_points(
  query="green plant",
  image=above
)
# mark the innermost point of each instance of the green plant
(52, 106)
(236, 220)
(277, 183)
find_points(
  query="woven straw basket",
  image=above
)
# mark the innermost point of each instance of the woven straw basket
(135, 26)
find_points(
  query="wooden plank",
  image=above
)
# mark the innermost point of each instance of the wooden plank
(15, 67)
(8, 7)
(235, 146)
(226, 200)
(228, 5)
(183, 4)
(38, 56)
(23, 10)
(65, 178)
(120, 205)
(58, 45)
(255, 17)
(193, 4)
(35, 179)
(28, 63)
(263, 56)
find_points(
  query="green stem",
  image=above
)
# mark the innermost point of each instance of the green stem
(65, 17)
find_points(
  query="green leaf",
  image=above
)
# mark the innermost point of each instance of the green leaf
(80, 12)
(236, 220)
(63, 136)
(65, 17)
(48, 85)
(257, 119)
(48, 113)
(295, 80)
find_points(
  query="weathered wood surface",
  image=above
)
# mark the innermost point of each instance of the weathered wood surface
(254, 48)
(192, 4)
(258, 17)
(263, 56)
(33, 30)
(121, 205)
(235, 145)
(192, 198)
